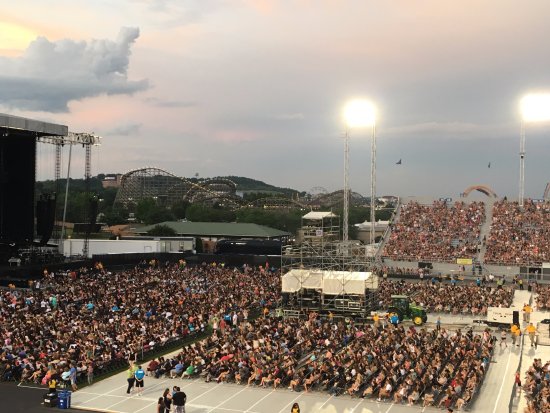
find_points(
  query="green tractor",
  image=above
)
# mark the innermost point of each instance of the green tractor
(405, 310)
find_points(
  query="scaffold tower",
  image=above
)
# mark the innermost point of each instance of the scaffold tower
(321, 255)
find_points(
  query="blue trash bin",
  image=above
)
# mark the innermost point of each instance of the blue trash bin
(63, 399)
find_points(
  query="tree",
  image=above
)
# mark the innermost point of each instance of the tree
(202, 213)
(144, 208)
(149, 212)
(113, 216)
(162, 231)
(179, 209)
(198, 245)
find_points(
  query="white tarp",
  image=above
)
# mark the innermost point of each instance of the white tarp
(318, 215)
(330, 282)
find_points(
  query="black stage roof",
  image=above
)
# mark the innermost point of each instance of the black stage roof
(18, 126)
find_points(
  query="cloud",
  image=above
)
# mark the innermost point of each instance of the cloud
(125, 129)
(289, 116)
(465, 129)
(236, 135)
(49, 75)
(161, 103)
(182, 13)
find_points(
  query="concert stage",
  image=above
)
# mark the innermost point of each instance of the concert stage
(18, 139)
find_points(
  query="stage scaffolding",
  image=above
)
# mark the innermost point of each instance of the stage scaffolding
(321, 254)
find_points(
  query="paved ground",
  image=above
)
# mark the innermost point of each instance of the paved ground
(109, 396)
(15, 399)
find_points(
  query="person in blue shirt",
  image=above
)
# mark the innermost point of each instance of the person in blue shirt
(177, 370)
(139, 375)
(73, 377)
(394, 319)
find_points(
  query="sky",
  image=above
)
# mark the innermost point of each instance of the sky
(256, 88)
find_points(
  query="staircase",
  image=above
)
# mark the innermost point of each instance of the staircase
(485, 229)
(385, 238)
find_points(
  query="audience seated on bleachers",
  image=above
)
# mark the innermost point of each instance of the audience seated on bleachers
(97, 318)
(438, 232)
(537, 387)
(519, 235)
(543, 297)
(466, 299)
(393, 363)
(101, 319)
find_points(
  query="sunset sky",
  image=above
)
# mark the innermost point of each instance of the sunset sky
(256, 87)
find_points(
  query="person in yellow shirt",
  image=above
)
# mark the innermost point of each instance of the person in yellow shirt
(531, 330)
(527, 310)
(130, 376)
(376, 319)
(52, 385)
(516, 332)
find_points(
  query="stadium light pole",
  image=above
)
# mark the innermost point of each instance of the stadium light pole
(361, 113)
(534, 108)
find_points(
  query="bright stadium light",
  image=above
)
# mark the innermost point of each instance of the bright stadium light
(534, 107)
(359, 113)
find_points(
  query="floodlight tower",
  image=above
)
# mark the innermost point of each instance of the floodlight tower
(361, 113)
(534, 108)
(345, 235)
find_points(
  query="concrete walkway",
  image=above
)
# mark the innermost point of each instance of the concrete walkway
(485, 228)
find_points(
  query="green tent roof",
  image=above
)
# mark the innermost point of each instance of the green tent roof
(219, 229)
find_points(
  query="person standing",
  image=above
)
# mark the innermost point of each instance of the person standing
(295, 408)
(531, 330)
(438, 324)
(160, 405)
(527, 310)
(139, 375)
(131, 377)
(90, 373)
(179, 399)
(73, 377)
(376, 319)
(516, 332)
(167, 396)
(517, 381)
(503, 339)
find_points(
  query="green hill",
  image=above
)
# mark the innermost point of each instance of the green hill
(253, 185)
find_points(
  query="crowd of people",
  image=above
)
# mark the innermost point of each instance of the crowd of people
(385, 271)
(542, 297)
(74, 323)
(519, 235)
(390, 362)
(438, 232)
(434, 296)
(537, 387)
(79, 322)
